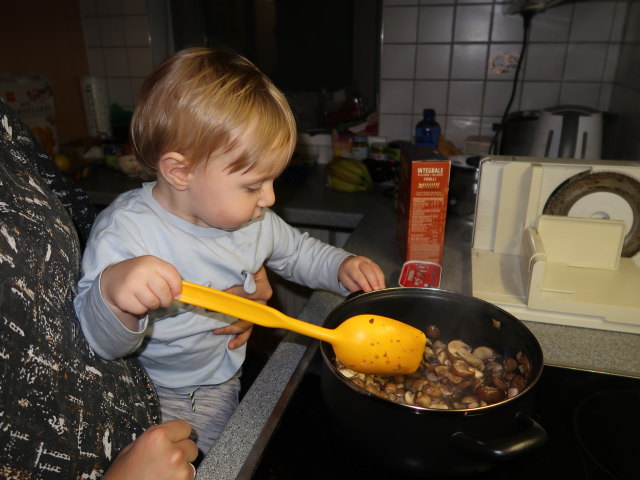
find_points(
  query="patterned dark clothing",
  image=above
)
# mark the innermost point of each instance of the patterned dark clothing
(65, 413)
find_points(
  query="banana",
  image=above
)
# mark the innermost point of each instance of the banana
(344, 174)
(349, 170)
(342, 186)
(351, 165)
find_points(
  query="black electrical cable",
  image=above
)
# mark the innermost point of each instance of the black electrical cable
(527, 15)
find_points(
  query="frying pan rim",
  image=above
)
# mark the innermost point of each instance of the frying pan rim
(325, 347)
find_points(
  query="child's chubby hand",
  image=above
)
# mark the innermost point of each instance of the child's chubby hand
(137, 285)
(361, 273)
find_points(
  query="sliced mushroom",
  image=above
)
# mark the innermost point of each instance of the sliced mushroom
(409, 397)
(484, 353)
(459, 349)
(489, 394)
(462, 369)
(510, 364)
(423, 400)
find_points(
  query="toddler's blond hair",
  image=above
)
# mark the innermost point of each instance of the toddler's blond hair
(203, 100)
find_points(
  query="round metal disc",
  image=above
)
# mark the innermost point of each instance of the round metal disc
(611, 195)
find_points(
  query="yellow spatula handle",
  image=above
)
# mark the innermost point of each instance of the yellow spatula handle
(248, 310)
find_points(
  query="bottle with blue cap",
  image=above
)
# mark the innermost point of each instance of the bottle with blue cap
(427, 129)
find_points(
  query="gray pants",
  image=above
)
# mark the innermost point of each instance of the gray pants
(207, 409)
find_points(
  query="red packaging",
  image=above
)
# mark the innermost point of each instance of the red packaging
(423, 193)
(416, 273)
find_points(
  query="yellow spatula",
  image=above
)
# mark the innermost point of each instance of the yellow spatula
(364, 343)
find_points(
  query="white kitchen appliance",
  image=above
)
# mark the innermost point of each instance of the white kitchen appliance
(558, 240)
(568, 131)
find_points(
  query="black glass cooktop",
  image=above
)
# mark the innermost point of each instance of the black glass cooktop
(592, 421)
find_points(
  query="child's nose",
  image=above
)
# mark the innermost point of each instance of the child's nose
(268, 197)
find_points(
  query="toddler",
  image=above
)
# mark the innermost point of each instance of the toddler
(216, 133)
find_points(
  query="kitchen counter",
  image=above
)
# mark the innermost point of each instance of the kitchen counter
(371, 218)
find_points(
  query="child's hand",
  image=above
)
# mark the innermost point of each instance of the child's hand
(361, 273)
(134, 286)
(240, 328)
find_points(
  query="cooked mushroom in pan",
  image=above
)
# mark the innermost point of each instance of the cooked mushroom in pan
(452, 376)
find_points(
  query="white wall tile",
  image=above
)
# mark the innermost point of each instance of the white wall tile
(465, 98)
(134, 7)
(472, 23)
(431, 94)
(632, 32)
(112, 31)
(120, 91)
(545, 61)
(87, 7)
(506, 28)
(552, 25)
(400, 2)
(396, 96)
(437, 2)
(400, 24)
(469, 61)
(91, 28)
(592, 21)
(398, 61)
(396, 127)
(435, 24)
(585, 94)
(433, 61)
(611, 64)
(457, 129)
(116, 63)
(95, 57)
(109, 7)
(140, 63)
(604, 102)
(585, 61)
(496, 98)
(617, 25)
(136, 85)
(539, 95)
(136, 30)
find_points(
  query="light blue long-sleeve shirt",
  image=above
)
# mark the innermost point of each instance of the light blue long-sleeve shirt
(176, 345)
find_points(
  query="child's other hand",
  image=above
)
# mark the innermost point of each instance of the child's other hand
(242, 329)
(361, 273)
(134, 286)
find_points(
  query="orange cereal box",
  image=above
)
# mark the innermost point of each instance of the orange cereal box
(423, 192)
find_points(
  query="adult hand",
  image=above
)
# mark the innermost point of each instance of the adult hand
(241, 328)
(162, 452)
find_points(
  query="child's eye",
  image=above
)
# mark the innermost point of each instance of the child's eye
(254, 190)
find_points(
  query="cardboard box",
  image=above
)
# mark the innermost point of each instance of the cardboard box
(423, 191)
(31, 97)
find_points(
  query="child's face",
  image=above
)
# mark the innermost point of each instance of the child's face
(228, 200)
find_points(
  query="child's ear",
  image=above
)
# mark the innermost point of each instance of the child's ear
(174, 169)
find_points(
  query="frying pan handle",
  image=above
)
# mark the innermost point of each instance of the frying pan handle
(530, 437)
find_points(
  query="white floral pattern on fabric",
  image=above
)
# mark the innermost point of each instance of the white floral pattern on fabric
(64, 412)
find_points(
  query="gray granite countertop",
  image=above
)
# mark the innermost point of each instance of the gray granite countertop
(371, 218)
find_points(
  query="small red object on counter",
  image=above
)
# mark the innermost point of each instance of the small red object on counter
(416, 273)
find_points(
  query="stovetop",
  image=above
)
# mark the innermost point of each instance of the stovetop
(592, 421)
